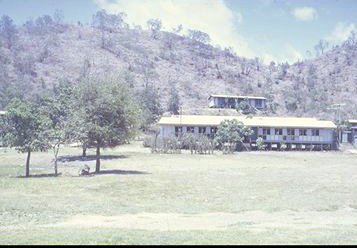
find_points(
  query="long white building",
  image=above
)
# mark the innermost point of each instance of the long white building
(296, 132)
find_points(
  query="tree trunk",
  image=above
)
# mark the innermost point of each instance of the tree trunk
(56, 171)
(56, 150)
(84, 150)
(97, 164)
(27, 171)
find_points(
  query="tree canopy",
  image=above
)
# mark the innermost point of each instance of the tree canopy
(24, 128)
(150, 105)
(231, 132)
(108, 114)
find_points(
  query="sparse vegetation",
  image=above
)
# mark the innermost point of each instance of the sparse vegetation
(37, 55)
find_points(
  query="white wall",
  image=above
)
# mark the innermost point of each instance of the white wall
(166, 130)
(326, 135)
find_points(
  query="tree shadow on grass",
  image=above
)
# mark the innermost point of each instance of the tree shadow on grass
(119, 172)
(41, 175)
(89, 158)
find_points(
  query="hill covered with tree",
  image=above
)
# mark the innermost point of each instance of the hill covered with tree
(169, 69)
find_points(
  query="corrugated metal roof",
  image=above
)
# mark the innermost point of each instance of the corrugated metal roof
(232, 96)
(256, 121)
(352, 121)
(3, 112)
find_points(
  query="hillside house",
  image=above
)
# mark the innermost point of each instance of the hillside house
(297, 133)
(350, 135)
(227, 101)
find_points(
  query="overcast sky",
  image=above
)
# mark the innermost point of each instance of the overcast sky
(277, 30)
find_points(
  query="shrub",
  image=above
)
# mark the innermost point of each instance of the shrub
(230, 133)
(198, 144)
(283, 146)
(260, 144)
(204, 145)
(188, 141)
(147, 142)
(170, 144)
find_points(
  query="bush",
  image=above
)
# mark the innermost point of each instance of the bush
(188, 141)
(204, 145)
(170, 144)
(260, 144)
(283, 146)
(148, 141)
(198, 144)
(230, 133)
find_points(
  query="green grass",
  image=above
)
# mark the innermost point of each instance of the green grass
(311, 186)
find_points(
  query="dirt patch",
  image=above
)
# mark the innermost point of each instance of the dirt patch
(257, 220)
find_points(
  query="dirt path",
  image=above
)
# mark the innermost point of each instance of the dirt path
(256, 220)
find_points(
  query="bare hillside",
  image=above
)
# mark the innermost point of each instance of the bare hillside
(40, 54)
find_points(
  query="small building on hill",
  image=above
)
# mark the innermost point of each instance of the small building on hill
(350, 135)
(295, 132)
(229, 101)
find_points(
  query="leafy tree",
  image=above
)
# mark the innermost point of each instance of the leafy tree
(178, 29)
(8, 31)
(351, 41)
(174, 101)
(231, 132)
(108, 113)
(108, 23)
(245, 107)
(58, 16)
(260, 144)
(79, 127)
(199, 36)
(155, 26)
(150, 106)
(24, 127)
(321, 47)
(59, 108)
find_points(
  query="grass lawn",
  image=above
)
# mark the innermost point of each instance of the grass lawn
(144, 198)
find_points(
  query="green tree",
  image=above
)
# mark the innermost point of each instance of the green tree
(58, 107)
(245, 107)
(24, 126)
(150, 105)
(8, 31)
(260, 144)
(108, 113)
(174, 101)
(231, 132)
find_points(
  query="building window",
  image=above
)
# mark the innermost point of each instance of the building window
(202, 129)
(266, 131)
(258, 103)
(303, 132)
(231, 102)
(178, 131)
(221, 102)
(315, 132)
(291, 131)
(278, 131)
(213, 130)
(190, 129)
